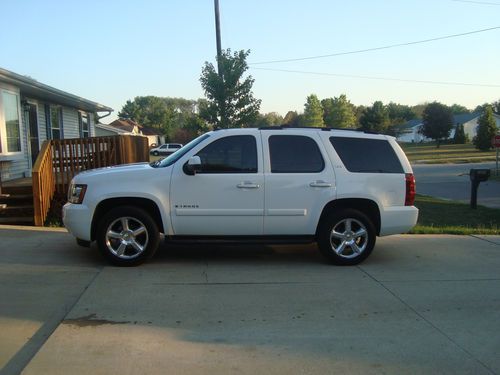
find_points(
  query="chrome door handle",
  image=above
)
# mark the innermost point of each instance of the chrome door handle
(247, 185)
(320, 183)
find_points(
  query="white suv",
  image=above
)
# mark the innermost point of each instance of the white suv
(338, 188)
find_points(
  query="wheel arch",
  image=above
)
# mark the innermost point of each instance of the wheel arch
(144, 203)
(367, 206)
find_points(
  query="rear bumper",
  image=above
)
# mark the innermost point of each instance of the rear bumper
(396, 220)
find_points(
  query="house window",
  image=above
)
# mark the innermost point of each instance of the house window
(54, 122)
(83, 119)
(10, 124)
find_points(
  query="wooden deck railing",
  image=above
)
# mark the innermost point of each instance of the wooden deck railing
(43, 183)
(61, 159)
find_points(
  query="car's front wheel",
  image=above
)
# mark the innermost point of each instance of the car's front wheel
(127, 236)
(156, 153)
(346, 237)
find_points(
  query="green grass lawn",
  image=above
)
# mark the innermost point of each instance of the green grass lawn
(428, 153)
(439, 216)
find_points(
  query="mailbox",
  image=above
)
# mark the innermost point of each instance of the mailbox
(477, 176)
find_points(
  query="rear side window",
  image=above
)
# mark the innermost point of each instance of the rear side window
(294, 154)
(363, 155)
(233, 154)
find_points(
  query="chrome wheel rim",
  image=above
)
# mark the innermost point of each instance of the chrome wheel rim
(349, 238)
(126, 237)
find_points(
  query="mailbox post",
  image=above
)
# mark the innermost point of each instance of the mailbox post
(477, 176)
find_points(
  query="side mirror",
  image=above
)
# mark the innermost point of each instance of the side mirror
(193, 165)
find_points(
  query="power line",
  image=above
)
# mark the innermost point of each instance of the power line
(378, 78)
(377, 48)
(476, 2)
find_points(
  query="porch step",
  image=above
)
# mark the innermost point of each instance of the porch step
(16, 211)
(17, 190)
(16, 199)
(17, 220)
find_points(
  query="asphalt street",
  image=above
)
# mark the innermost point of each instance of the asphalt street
(451, 181)
(418, 305)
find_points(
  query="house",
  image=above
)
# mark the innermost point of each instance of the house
(127, 126)
(32, 112)
(409, 132)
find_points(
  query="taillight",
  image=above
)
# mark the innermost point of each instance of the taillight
(410, 189)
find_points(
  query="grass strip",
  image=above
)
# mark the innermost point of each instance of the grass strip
(440, 216)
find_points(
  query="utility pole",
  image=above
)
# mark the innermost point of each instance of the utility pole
(217, 35)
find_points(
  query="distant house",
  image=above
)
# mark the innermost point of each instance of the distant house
(409, 132)
(32, 112)
(126, 126)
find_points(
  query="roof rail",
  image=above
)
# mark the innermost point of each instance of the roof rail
(280, 127)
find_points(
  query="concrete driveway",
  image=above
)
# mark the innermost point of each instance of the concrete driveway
(419, 305)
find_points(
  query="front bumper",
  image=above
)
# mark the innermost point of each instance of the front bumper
(77, 219)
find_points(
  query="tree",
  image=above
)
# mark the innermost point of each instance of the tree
(231, 103)
(486, 130)
(268, 119)
(313, 112)
(437, 122)
(399, 113)
(375, 118)
(338, 112)
(291, 119)
(460, 138)
(151, 111)
(458, 109)
(166, 114)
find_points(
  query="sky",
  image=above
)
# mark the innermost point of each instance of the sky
(112, 51)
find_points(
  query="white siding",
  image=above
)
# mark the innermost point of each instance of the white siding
(70, 123)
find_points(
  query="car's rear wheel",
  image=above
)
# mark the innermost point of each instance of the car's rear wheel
(156, 153)
(127, 236)
(346, 237)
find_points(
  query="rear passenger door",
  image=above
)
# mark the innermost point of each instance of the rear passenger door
(299, 181)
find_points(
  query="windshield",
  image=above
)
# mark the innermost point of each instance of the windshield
(179, 153)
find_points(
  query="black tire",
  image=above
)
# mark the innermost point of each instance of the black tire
(358, 240)
(156, 153)
(127, 236)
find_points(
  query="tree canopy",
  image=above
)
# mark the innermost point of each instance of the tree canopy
(230, 101)
(168, 115)
(313, 112)
(375, 118)
(486, 130)
(437, 122)
(338, 112)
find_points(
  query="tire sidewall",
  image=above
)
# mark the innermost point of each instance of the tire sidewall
(136, 213)
(330, 222)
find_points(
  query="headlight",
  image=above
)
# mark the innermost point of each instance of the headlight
(76, 193)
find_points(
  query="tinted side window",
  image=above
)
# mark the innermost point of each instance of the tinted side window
(233, 154)
(367, 155)
(295, 154)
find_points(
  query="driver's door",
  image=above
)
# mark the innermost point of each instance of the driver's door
(226, 197)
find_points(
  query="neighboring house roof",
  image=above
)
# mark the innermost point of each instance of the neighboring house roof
(126, 124)
(146, 130)
(112, 129)
(459, 119)
(37, 90)
(409, 124)
(464, 117)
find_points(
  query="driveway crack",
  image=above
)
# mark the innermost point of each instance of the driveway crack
(24, 355)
